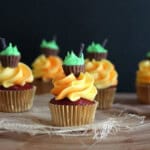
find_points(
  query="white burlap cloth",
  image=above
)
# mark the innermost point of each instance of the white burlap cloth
(37, 121)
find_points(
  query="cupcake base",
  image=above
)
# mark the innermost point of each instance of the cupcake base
(9, 61)
(97, 56)
(75, 69)
(16, 100)
(49, 52)
(105, 97)
(72, 115)
(42, 87)
(143, 93)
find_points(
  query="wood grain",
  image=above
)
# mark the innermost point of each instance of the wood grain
(138, 139)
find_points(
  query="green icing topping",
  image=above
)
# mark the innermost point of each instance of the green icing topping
(72, 59)
(49, 44)
(96, 48)
(10, 50)
(148, 54)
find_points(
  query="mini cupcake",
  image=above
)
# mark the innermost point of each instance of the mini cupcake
(143, 80)
(104, 74)
(73, 104)
(16, 90)
(46, 66)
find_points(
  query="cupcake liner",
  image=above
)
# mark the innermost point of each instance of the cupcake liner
(97, 56)
(76, 70)
(72, 115)
(43, 87)
(105, 97)
(16, 100)
(143, 93)
(9, 61)
(49, 52)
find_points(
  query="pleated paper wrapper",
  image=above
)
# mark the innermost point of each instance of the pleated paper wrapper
(43, 87)
(105, 97)
(16, 100)
(37, 121)
(143, 93)
(72, 115)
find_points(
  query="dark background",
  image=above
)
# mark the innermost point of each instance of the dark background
(125, 22)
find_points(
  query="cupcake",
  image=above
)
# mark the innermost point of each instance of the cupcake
(143, 80)
(46, 66)
(74, 93)
(104, 73)
(16, 90)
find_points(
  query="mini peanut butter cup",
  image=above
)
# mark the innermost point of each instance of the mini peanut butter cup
(50, 48)
(49, 52)
(9, 61)
(76, 70)
(97, 51)
(97, 56)
(9, 55)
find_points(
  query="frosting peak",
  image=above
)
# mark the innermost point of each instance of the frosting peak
(49, 44)
(96, 48)
(143, 73)
(47, 67)
(10, 50)
(104, 73)
(74, 88)
(19, 75)
(73, 59)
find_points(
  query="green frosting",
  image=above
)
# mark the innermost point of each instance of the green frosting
(49, 44)
(10, 50)
(96, 48)
(73, 59)
(148, 54)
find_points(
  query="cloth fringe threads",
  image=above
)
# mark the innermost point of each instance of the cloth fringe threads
(100, 129)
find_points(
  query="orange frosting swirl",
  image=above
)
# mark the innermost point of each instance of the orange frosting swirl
(143, 73)
(47, 67)
(19, 75)
(74, 88)
(103, 71)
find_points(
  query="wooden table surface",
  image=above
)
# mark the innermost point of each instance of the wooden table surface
(134, 140)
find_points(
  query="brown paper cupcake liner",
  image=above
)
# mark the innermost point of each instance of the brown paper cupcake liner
(42, 87)
(9, 61)
(49, 52)
(97, 56)
(16, 100)
(76, 70)
(72, 115)
(143, 93)
(105, 97)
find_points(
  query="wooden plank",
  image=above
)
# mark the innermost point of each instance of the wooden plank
(139, 139)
